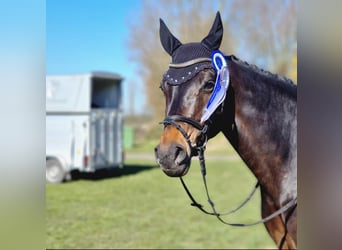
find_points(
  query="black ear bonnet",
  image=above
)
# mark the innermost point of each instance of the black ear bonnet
(191, 58)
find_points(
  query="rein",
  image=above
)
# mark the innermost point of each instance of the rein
(199, 150)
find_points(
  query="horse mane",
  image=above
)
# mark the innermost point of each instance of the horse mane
(284, 83)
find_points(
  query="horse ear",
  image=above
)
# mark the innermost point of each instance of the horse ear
(169, 42)
(213, 40)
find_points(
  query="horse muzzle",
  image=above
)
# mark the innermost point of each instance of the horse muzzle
(173, 159)
(175, 150)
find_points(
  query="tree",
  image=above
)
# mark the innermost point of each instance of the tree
(267, 30)
(262, 31)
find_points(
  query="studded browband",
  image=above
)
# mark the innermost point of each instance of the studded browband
(190, 62)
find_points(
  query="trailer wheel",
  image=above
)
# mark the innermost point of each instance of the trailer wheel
(54, 171)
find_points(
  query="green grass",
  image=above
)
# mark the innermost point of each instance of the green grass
(140, 207)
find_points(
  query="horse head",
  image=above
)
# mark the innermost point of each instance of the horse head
(187, 86)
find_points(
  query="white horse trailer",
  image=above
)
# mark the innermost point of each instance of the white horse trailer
(84, 124)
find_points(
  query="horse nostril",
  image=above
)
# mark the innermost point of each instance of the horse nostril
(180, 155)
(172, 156)
(156, 153)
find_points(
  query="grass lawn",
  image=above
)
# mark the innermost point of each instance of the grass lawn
(140, 207)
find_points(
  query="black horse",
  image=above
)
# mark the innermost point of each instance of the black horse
(258, 117)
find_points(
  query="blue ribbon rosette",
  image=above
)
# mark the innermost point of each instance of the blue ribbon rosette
(221, 84)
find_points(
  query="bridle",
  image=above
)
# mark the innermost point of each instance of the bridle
(198, 150)
(198, 147)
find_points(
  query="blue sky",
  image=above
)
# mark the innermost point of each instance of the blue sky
(87, 35)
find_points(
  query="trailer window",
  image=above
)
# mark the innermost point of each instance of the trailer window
(105, 94)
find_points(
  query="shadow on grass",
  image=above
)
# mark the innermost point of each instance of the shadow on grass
(111, 172)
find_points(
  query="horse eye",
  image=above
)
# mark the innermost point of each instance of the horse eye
(209, 85)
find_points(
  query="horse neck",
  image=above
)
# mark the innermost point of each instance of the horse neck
(254, 116)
